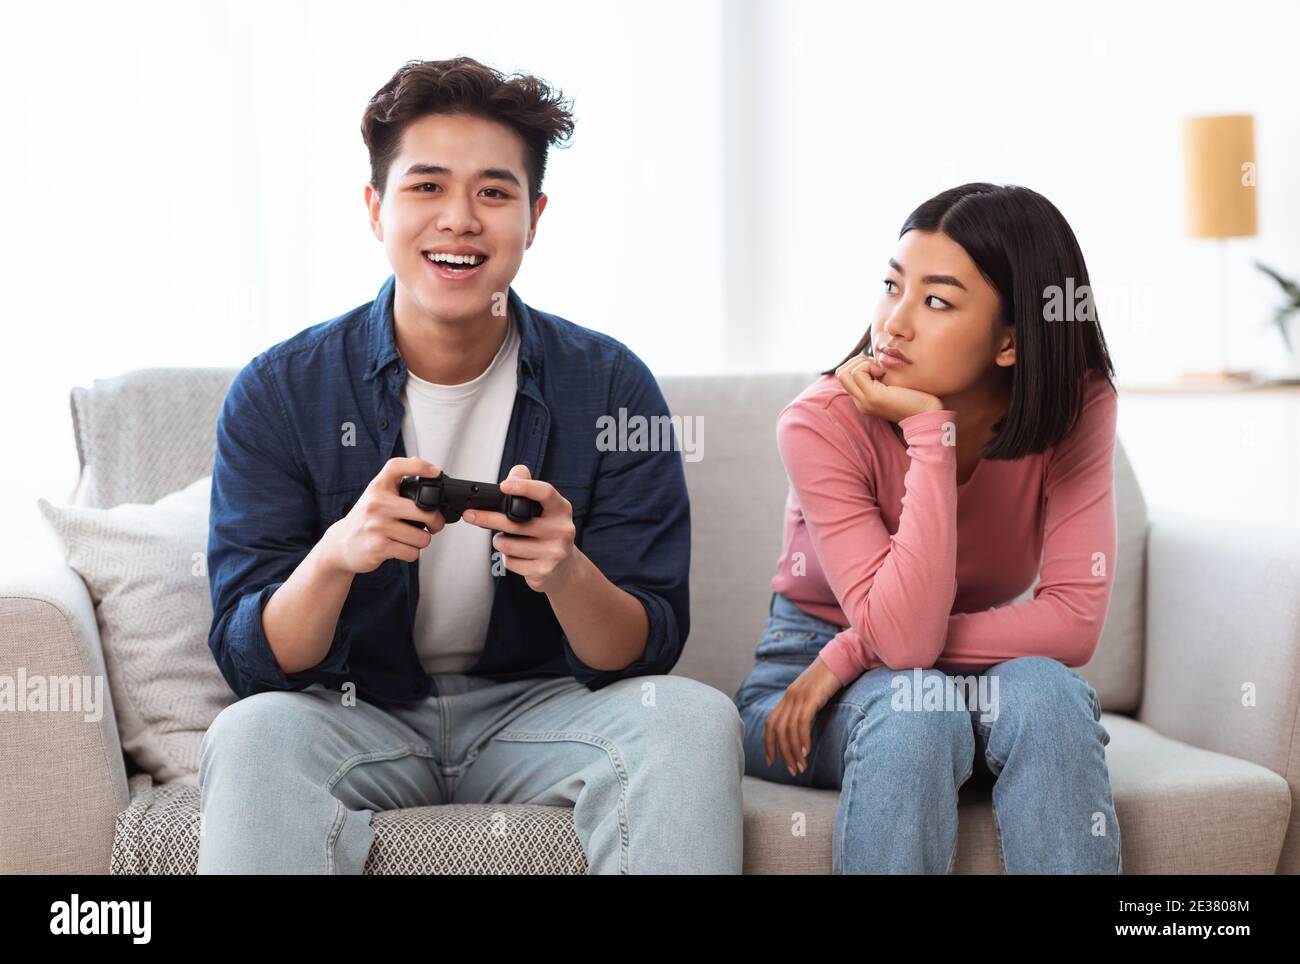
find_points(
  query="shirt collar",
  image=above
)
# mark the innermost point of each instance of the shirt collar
(381, 337)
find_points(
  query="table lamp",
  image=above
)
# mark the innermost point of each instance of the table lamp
(1219, 184)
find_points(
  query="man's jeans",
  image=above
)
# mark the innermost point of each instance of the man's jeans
(898, 769)
(651, 765)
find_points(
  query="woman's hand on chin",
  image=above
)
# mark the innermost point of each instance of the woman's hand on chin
(861, 376)
(789, 725)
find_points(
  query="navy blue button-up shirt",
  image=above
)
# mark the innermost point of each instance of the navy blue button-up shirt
(306, 426)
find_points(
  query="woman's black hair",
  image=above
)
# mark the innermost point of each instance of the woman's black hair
(1026, 250)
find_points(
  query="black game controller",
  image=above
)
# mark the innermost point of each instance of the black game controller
(451, 497)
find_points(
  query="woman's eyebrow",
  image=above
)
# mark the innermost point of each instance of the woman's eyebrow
(930, 279)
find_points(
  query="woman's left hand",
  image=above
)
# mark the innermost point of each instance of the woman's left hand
(789, 725)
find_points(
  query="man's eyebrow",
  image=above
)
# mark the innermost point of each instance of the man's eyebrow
(488, 173)
(930, 279)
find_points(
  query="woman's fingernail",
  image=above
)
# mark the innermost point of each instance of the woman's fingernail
(469, 516)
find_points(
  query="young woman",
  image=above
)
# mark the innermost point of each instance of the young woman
(964, 446)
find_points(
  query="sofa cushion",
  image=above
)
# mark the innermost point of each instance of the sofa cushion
(788, 830)
(1181, 810)
(144, 568)
(159, 833)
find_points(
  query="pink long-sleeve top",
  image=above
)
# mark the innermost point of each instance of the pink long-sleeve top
(880, 538)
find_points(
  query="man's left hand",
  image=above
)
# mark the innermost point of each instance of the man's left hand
(541, 549)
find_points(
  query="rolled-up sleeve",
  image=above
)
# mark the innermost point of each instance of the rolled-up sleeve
(262, 524)
(638, 526)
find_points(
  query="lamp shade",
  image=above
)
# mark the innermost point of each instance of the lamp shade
(1219, 169)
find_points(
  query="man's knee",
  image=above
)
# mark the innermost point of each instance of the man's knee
(256, 727)
(690, 717)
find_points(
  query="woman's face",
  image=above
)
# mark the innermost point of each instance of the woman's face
(937, 309)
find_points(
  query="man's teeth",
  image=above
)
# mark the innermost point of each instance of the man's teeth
(470, 259)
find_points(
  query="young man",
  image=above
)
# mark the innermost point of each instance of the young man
(381, 664)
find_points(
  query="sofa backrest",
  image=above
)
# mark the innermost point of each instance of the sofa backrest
(152, 431)
(146, 433)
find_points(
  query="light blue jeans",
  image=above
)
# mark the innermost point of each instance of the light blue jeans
(899, 753)
(652, 766)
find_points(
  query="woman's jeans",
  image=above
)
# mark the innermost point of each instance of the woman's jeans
(899, 744)
(651, 765)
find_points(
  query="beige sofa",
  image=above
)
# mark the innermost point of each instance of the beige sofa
(1201, 782)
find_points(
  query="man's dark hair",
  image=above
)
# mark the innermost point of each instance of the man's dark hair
(1023, 245)
(528, 105)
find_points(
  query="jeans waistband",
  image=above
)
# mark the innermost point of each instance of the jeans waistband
(783, 609)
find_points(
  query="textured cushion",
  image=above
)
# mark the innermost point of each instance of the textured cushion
(159, 834)
(144, 568)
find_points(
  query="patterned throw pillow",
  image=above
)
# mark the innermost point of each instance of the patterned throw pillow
(146, 569)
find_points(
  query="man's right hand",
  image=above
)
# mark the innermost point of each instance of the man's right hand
(375, 529)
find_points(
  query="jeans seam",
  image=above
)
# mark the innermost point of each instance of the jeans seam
(1119, 846)
(616, 762)
(990, 755)
(837, 859)
(444, 710)
(355, 760)
(340, 817)
(956, 833)
(997, 829)
(370, 756)
(990, 758)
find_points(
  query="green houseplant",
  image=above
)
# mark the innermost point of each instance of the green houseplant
(1283, 313)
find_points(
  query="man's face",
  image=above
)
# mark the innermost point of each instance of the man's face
(938, 310)
(458, 186)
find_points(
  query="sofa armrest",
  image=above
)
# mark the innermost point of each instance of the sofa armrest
(64, 775)
(1223, 644)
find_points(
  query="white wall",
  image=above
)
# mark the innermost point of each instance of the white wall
(869, 109)
(184, 179)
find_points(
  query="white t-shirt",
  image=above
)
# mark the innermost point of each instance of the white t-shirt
(462, 430)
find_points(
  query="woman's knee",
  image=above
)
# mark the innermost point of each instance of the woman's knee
(1042, 694)
(914, 716)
